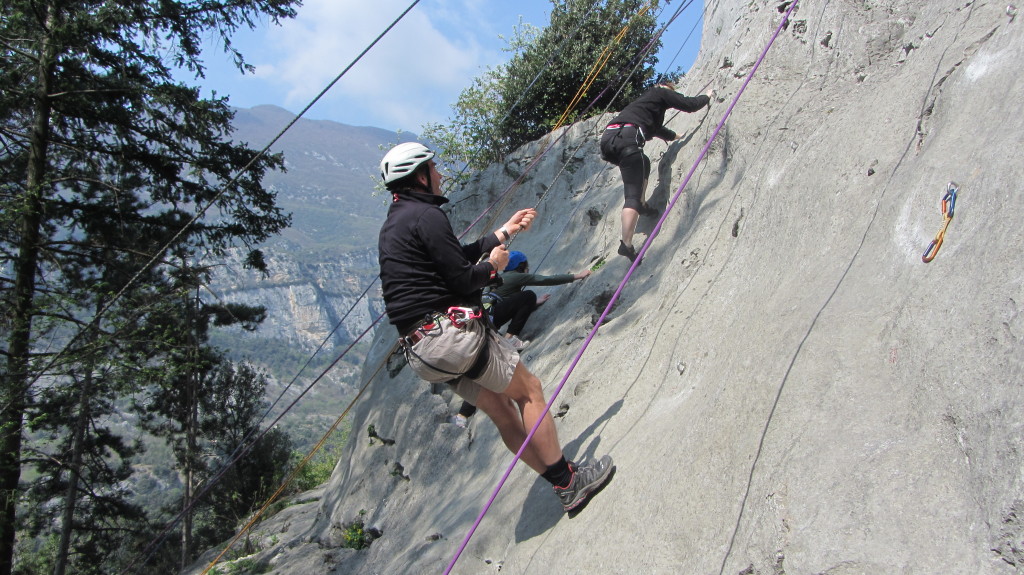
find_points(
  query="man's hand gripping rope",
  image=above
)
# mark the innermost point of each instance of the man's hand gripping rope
(519, 222)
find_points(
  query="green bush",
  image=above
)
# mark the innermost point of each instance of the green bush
(317, 470)
(357, 536)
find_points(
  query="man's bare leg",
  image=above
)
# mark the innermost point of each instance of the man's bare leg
(516, 411)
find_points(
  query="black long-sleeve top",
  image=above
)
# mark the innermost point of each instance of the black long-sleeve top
(648, 111)
(423, 268)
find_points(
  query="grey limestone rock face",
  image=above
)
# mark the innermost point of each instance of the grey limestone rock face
(784, 385)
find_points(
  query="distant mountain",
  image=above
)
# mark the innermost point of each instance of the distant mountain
(319, 267)
(332, 170)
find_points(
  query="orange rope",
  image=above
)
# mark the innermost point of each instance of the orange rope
(599, 65)
(298, 468)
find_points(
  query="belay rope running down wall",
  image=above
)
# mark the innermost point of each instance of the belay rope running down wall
(618, 291)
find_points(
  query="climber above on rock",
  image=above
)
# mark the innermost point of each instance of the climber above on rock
(513, 304)
(432, 287)
(622, 144)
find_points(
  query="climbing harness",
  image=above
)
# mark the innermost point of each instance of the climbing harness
(434, 326)
(431, 325)
(948, 204)
(618, 291)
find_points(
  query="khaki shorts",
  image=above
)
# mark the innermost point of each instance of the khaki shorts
(447, 351)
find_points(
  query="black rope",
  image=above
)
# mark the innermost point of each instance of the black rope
(150, 550)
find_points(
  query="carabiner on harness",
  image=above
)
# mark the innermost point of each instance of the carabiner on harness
(460, 316)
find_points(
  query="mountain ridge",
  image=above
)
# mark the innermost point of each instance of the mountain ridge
(319, 268)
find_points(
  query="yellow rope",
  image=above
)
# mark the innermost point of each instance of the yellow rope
(599, 65)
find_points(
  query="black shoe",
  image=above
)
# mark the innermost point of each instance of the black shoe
(628, 251)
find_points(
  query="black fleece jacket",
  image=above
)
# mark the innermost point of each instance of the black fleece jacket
(648, 111)
(423, 268)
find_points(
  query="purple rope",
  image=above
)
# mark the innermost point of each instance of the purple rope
(618, 291)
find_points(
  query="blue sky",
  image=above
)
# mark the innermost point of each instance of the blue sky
(412, 76)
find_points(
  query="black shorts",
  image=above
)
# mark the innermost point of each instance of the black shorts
(619, 143)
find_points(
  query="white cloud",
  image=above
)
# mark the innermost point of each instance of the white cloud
(410, 77)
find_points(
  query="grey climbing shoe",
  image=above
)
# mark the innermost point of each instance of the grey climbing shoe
(587, 479)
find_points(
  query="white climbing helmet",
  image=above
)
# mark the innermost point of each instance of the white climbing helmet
(403, 160)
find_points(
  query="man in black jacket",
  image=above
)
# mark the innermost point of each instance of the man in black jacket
(432, 287)
(623, 145)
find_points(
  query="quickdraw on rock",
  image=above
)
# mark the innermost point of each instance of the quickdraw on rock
(948, 204)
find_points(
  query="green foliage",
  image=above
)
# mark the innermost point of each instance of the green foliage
(113, 173)
(356, 535)
(36, 555)
(230, 406)
(521, 101)
(318, 470)
(253, 478)
(471, 138)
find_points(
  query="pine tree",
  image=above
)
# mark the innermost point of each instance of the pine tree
(207, 408)
(96, 134)
(233, 409)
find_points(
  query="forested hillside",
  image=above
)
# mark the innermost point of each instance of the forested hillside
(122, 198)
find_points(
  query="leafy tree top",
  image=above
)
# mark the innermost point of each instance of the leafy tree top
(610, 42)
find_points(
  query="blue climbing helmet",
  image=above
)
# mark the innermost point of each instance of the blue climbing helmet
(514, 259)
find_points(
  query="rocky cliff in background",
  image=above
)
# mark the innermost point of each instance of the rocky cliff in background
(318, 270)
(309, 299)
(784, 385)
